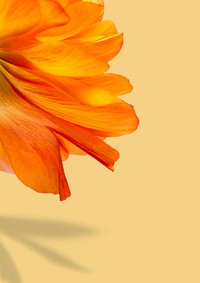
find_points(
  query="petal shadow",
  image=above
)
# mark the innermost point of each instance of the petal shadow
(27, 231)
(8, 270)
(50, 255)
(45, 228)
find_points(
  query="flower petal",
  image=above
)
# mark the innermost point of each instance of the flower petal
(69, 147)
(86, 141)
(64, 60)
(52, 15)
(78, 136)
(96, 91)
(81, 14)
(112, 119)
(111, 83)
(105, 49)
(88, 94)
(95, 32)
(17, 17)
(94, 1)
(71, 90)
(33, 155)
(4, 161)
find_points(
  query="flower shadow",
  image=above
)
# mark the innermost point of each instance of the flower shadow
(26, 231)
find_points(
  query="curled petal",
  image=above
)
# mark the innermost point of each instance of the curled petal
(81, 15)
(105, 49)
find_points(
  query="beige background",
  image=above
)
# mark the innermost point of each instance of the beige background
(140, 224)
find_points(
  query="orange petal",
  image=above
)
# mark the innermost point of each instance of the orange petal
(95, 32)
(63, 150)
(109, 120)
(68, 147)
(15, 59)
(64, 60)
(94, 1)
(78, 136)
(85, 93)
(33, 155)
(92, 90)
(4, 161)
(95, 91)
(81, 14)
(113, 119)
(86, 141)
(20, 73)
(21, 42)
(68, 89)
(52, 14)
(18, 17)
(105, 49)
(111, 83)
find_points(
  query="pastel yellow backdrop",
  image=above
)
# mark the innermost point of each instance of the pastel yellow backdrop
(141, 223)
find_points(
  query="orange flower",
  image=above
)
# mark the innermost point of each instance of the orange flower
(56, 98)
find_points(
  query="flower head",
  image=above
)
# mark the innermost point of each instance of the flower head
(56, 98)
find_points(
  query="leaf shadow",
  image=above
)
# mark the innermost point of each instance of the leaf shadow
(27, 231)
